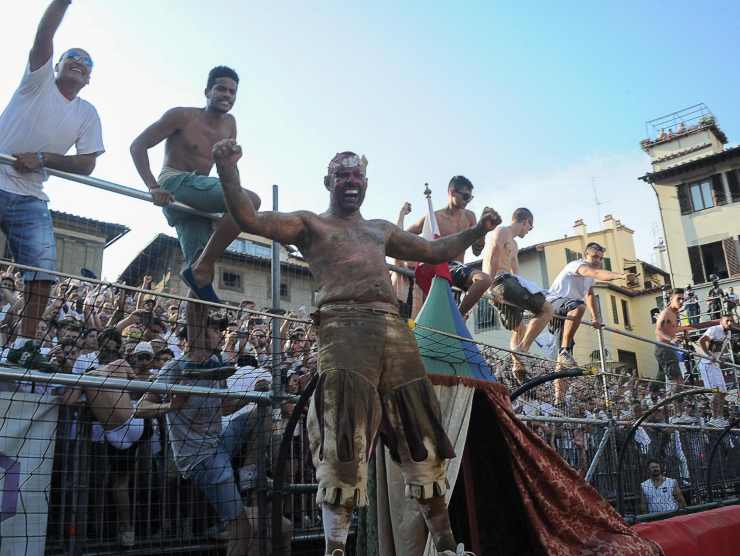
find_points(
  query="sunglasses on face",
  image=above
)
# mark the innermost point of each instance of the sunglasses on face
(79, 57)
(464, 196)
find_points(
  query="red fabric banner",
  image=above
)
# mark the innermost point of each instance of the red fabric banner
(709, 533)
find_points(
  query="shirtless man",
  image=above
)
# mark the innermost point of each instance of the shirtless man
(190, 134)
(452, 219)
(500, 260)
(666, 327)
(369, 364)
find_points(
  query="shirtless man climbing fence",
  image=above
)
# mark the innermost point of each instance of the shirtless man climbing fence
(513, 293)
(666, 327)
(452, 219)
(190, 134)
(364, 387)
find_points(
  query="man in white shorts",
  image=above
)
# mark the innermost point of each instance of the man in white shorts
(570, 293)
(712, 342)
(512, 293)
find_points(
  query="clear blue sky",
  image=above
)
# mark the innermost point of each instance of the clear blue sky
(530, 100)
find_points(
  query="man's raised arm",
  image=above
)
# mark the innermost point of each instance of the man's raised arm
(150, 137)
(43, 44)
(407, 246)
(286, 228)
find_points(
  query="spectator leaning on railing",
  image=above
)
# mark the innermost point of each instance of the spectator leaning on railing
(660, 493)
(44, 118)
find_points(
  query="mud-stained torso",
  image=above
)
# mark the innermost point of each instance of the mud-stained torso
(347, 259)
(189, 149)
(452, 222)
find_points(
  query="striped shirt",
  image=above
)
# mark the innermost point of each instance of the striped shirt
(660, 498)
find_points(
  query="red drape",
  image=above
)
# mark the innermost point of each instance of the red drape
(568, 516)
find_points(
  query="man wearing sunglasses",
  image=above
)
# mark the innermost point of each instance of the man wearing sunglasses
(44, 118)
(452, 219)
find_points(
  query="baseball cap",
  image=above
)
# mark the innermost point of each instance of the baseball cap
(144, 347)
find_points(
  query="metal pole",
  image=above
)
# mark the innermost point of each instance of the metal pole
(113, 188)
(597, 456)
(277, 386)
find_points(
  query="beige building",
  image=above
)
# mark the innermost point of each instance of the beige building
(624, 307)
(80, 242)
(696, 179)
(243, 273)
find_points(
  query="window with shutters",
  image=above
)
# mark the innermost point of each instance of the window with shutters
(713, 260)
(607, 264)
(733, 181)
(683, 199)
(697, 267)
(731, 256)
(615, 313)
(571, 256)
(626, 315)
(718, 188)
(701, 196)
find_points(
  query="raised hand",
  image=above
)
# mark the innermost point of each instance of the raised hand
(405, 209)
(489, 219)
(226, 153)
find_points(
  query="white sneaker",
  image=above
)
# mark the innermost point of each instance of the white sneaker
(460, 551)
(127, 539)
(565, 360)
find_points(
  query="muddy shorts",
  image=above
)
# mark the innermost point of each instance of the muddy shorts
(460, 274)
(372, 381)
(507, 287)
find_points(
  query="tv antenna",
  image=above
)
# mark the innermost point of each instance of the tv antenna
(597, 202)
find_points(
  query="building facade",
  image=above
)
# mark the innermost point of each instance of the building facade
(242, 273)
(696, 178)
(80, 242)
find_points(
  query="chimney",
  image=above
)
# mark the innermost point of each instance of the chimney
(579, 227)
(610, 223)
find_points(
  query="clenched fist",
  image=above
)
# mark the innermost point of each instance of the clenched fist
(489, 219)
(226, 153)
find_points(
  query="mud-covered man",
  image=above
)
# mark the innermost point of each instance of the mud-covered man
(364, 387)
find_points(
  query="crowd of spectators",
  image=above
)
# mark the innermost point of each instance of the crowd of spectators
(96, 330)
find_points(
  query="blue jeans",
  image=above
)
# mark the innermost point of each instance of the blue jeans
(26, 222)
(215, 476)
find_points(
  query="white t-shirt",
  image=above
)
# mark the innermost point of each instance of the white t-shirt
(660, 498)
(715, 333)
(40, 119)
(569, 284)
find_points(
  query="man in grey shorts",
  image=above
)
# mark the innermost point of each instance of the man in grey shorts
(512, 293)
(190, 134)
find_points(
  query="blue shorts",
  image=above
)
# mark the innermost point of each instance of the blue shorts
(26, 222)
(203, 193)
